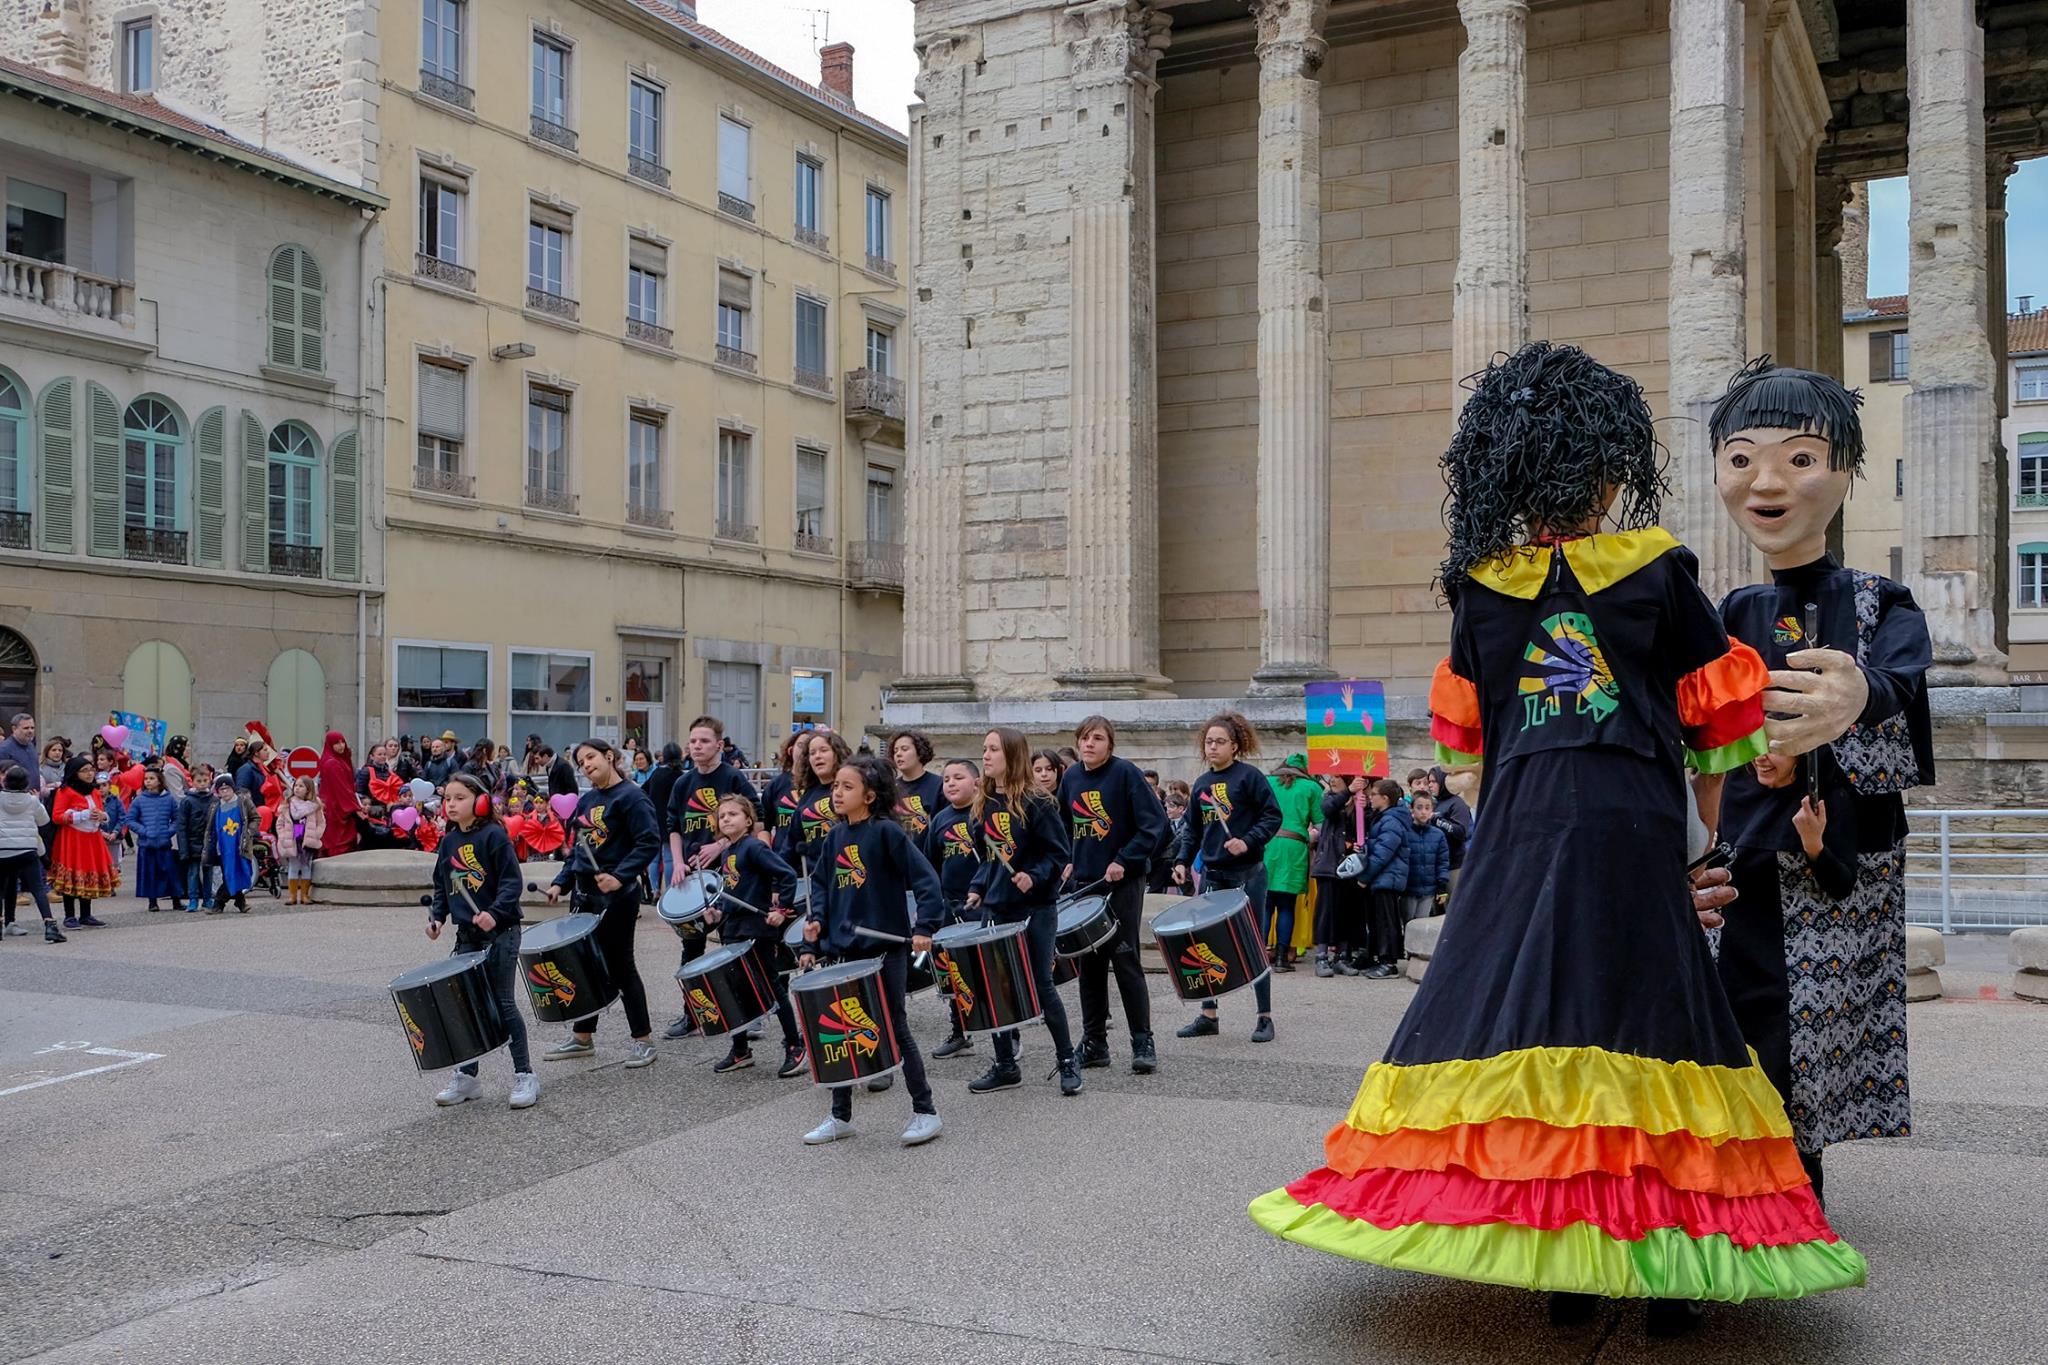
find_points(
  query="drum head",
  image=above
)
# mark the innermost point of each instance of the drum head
(826, 978)
(686, 902)
(440, 969)
(1075, 911)
(966, 935)
(553, 933)
(1199, 912)
(716, 960)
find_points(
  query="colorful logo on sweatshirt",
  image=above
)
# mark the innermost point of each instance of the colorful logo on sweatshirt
(1002, 841)
(914, 816)
(957, 987)
(956, 842)
(413, 1033)
(698, 810)
(846, 1029)
(1566, 664)
(732, 871)
(704, 1010)
(1215, 802)
(1199, 966)
(594, 826)
(547, 985)
(1090, 816)
(817, 819)
(1786, 631)
(472, 870)
(851, 870)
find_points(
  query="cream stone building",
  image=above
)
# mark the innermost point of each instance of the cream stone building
(1195, 280)
(1876, 360)
(188, 405)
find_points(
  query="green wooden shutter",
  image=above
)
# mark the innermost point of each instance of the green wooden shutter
(56, 422)
(210, 439)
(106, 538)
(297, 690)
(255, 497)
(345, 555)
(312, 315)
(284, 307)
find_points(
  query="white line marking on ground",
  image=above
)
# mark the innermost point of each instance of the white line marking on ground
(129, 1059)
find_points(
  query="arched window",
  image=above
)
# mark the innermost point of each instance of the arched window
(294, 486)
(298, 311)
(156, 683)
(14, 463)
(298, 700)
(152, 485)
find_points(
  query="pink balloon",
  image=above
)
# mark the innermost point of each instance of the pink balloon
(562, 804)
(405, 817)
(116, 735)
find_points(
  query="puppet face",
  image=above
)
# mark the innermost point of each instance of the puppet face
(1776, 484)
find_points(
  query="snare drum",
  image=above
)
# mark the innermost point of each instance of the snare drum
(682, 906)
(921, 975)
(792, 945)
(844, 1016)
(1085, 924)
(1212, 944)
(565, 973)
(1064, 969)
(448, 1011)
(990, 969)
(727, 989)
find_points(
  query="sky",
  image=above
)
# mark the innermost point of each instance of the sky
(884, 67)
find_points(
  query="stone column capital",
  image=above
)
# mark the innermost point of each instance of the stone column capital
(1290, 40)
(938, 53)
(1472, 12)
(1113, 42)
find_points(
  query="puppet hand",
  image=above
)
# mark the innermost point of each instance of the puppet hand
(1820, 706)
(1711, 891)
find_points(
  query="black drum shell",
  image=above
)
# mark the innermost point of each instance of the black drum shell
(843, 1014)
(920, 975)
(1212, 945)
(448, 1011)
(564, 952)
(990, 969)
(792, 945)
(1085, 923)
(681, 907)
(1065, 969)
(727, 989)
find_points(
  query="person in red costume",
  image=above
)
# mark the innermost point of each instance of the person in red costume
(338, 791)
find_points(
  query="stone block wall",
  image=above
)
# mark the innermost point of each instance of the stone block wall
(1598, 173)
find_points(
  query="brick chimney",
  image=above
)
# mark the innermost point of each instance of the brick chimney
(60, 47)
(835, 70)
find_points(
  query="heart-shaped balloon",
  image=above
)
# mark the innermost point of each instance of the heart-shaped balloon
(562, 804)
(421, 788)
(115, 735)
(405, 817)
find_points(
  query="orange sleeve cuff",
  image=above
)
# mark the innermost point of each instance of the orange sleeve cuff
(1736, 680)
(1453, 698)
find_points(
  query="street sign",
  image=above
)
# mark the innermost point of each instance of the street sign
(303, 762)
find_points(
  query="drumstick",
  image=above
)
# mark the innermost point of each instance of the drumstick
(1813, 642)
(862, 931)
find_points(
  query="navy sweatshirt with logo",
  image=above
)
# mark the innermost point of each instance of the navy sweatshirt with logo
(1033, 840)
(755, 875)
(1236, 803)
(623, 835)
(693, 803)
(483, 864)
(917, 802)
(801, 840)
(948, 845)
(862, 881)
(1113, 817)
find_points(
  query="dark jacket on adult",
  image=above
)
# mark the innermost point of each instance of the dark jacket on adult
(15, 754)
(659, 785)
(439, 770)
(1112, 817)
(1033, 840)
(1386, 850)
(1335, 837)
(562, 779)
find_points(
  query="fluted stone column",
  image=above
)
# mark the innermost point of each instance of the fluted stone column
(1854, 248)
(1830, 201)
(1951, 428)
(1294, 352)
(1708, 333)
(1113, 48)
(1490, 292)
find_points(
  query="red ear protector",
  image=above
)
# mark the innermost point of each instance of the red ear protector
(483, 796)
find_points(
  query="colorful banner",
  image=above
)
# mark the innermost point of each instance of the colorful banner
(146, 737)
(1347, 728)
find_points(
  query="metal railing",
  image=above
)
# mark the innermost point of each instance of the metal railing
(554, 134)
(443, 272)
(878, 395)
(812, 238)
(1977, 870)
(294, 561)
(739, 531)
(641, 168)
(650, 333)
(814, 381)
(881, 265)
(551, 303)
(430, 480)
(551, 500)
(2031, 500)
(737, 207)
(153, 544)
(876, 563)
(738, 359)
(447, 91)
(812, 543)
(15, 529)
(660, 518)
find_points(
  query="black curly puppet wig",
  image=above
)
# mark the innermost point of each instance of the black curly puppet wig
(1547, 435)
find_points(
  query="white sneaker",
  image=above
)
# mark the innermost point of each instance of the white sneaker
(923, 1128)
(639, 1055)
(525, 1090)
(16, 931)
(831, 1130)
(459, 1088)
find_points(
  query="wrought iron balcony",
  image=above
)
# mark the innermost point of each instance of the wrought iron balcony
(554, 134)
(2033, 500)
(447, 91)
(876, 564)
(881, 265)
(443, 272)
(153, 544)
(873, 395)
(812, 543)
(554, 305)
(295, 561)
(427, 479)
(15, 530)
(738, 208)
(738, 359)
(649, 333)
(734, 530)
(640, 168)
(815, 382)
(660, 518)
(812, 238)
(551, 500)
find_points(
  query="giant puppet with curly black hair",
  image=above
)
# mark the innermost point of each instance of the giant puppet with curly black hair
(1568, 1103)
(1813, 954)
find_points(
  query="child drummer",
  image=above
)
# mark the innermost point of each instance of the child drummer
(757, 887)
(948, 845)
(476, 881)
(858, 884)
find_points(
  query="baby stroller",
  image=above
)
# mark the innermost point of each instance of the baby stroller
(269, 869)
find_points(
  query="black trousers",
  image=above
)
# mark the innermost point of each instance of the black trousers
(619, 914)
(1119, 955)
(503, 965)
(1752, 964)
(1038, 936)
(1253, 883)
(23, 870)
(1387, 918)
(765, 951)
(1337, 911)
(895, 967)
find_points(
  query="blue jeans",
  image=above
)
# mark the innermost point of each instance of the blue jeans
(1252, 881)
(198, 882)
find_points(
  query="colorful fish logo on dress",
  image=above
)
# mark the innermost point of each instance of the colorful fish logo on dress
(703, 1009)
(545, 982)
(413, 1033)
(847, 1022)
(1090, 816)
(852, 871)
(1567, 663)
(1786, 631)
(1199, 966)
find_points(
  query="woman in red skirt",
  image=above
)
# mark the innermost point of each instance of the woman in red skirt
(81, 869)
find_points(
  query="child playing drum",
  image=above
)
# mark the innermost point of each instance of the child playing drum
(476, 881)
(1232, 817)
(867, 864)
(758, 885)
(948, 845)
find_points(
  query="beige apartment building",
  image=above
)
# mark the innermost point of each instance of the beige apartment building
(1877, 360)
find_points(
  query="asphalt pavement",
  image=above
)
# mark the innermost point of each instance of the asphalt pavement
(214, 1148)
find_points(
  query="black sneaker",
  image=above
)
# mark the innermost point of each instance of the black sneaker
(91, 922)
(681, 1028)
(997, 1077)
(1343, 966)
(878, 1084)
(154, 907)
(1144, 1061)
(1201, 1026)
(1671, 1317)
(792, 1063)
(1094, 1052)
(51, 933)
(954, 1046)
(1323, 967)
(1381, 971)
(1069, 1072)
(1264, 1032)
(734, 1061)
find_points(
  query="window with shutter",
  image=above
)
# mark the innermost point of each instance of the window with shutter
(346, 504)
(297, 694)
(443, 421)
(157, 682)
(57, 421)
(107, 482)
(312, 315)
(210, 438)
(255, 497)
(298, 311)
